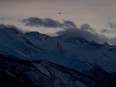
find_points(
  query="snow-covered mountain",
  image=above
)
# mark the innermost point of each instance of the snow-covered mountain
(71, 52)
(74, 51)
(78, 59)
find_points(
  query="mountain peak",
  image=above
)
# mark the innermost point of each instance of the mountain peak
(7, 28)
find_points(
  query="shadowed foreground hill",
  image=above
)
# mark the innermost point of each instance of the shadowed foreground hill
(16, 72)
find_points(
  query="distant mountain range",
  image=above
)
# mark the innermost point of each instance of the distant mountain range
(33, 59)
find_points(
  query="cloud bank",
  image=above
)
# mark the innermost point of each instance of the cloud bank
(46, 22)
(69, 28)
(38, 22)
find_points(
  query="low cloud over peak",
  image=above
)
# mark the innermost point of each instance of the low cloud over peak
(83, 33)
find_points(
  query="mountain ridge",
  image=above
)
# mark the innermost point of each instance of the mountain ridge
(37, 60)
(63, 50)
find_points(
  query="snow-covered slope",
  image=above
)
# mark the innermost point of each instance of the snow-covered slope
(16, 72)
(72, 52)
(14, 39)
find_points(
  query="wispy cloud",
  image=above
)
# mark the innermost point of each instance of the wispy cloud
(112, 25)
(39, 22)
(5, 19)
(46, 22)
(111, 28)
